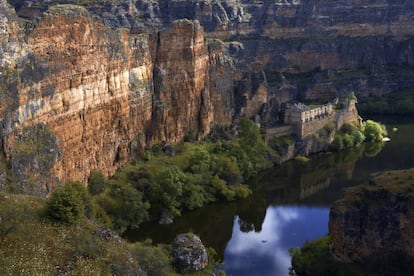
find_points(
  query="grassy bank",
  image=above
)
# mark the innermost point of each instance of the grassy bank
(32, 244)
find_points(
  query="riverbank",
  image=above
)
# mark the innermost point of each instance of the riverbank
(368, 232)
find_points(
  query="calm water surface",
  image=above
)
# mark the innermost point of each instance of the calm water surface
(289, 206)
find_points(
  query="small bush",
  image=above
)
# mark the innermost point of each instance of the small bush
(373, 131)
(302, 159)
(69, 203)
(154, 260)
(337, 143)
(97, 183)
(89, 247)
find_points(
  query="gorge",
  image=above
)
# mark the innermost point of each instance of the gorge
(107, 87)
(88, 85)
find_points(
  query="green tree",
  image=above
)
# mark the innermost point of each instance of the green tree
(129, 210)
(359, 138)
(226, 168)
(166, 190)
(373, 131)
(348, 141)
(249, 134)
(68, 204)
(97, 183)
(337, 143)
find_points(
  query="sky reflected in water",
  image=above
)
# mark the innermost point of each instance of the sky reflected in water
(267, 252)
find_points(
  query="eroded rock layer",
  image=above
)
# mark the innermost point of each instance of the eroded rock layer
(111, 77)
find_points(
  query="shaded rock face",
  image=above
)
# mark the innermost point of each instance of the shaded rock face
(189, 253)
(373, 222)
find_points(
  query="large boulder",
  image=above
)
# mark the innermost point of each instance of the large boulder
(189, 253)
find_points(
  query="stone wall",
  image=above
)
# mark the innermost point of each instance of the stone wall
(347, 115)
(307, 121)
(278, 132)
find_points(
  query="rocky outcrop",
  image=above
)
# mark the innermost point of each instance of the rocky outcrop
(373, 222)
(189, 253)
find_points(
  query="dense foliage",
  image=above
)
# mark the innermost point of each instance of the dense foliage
(69, 204)
(167, 180)
(353, 135)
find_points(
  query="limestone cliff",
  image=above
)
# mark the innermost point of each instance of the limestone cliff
(373, 223)
(92, 86)
(180, 78)
(102, 93)
(101, 82)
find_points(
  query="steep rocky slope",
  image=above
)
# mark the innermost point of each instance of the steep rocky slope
(372, 223)
(103, 81)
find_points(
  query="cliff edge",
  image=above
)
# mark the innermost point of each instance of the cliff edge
(372, 223)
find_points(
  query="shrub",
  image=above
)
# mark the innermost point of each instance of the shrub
(337, 143)
(128, 210)
(89, 247)
(373, 131)
(154, 260)
(166, 191)
(97, 183)
(249, 134)
(226, 168)
(359, 138)
(348, 141)
(68, 204)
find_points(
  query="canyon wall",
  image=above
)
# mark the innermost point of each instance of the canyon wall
(101, 82)
(81, 96)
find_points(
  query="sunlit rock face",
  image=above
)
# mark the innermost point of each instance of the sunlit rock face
(92, 86)
(110, 78)
(372, 222)
(104, 93)
(180, 78)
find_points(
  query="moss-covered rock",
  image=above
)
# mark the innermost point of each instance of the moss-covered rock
(189, 253)
(34, 152)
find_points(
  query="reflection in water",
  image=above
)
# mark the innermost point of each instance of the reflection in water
(266, 252)
(253, 236)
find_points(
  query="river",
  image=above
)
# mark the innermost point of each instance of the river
(289, 205)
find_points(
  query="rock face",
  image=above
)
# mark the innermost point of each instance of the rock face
(189, 253)
(90, 85)
(112, 77)
(373, 222)
(181, 82)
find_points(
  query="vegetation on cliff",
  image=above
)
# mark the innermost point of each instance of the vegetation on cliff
(32, 245)
(169, 179)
